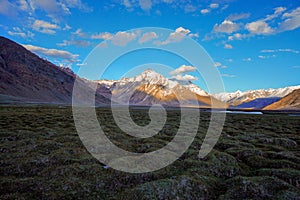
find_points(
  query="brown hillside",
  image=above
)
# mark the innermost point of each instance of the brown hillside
(289, 102)
(26, 78)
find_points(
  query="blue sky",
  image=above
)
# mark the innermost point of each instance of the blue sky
(254, 43)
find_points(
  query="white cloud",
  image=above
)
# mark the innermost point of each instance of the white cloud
(266, 57)
(54, 8)
(194, 35)
(44, 27)
(81, 64)
(211, 6)
(53, 53)
(262, 57)
(228, 75)
(291, 22)
(226, 26)
(268, 51)
(185, 77)
(146, 37)
(67, 27)
(121, 38)
(145, 4)
(204, 11)
(79, 33)
(235, 17)
(189, 8)
(279, 50)
(127, 3)
(228, 46)
(218, 64)
(78, 5)
(65, 9)
(23, 5)
(259, 27)
(225, 7)
(183, 69)
(18, 32)
(293, 13)
(181, 30)
(288, 50)
(21, 34)
(79, 43)
(214, 5)
(103, 36)
(176, 36)
(276, 13)
(247, 59)
(49, 6)
(236, 36)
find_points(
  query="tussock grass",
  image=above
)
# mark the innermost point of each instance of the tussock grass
(42, 157)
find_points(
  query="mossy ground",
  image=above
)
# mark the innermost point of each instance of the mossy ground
(42, 157)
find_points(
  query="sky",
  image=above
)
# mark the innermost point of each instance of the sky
(254, 44)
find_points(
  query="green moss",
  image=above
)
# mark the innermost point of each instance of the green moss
(182, 187)
(262, 162)
(290, 176)
(263, 187)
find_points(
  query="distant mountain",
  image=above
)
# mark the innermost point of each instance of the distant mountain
(258, 103)
(289, 102)
(26, 78)
(238, 97)
(150, 88)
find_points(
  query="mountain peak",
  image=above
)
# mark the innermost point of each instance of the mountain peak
(150, 73)
(149, 70)
(149, 76)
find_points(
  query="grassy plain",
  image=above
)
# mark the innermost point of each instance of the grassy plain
(42, 157)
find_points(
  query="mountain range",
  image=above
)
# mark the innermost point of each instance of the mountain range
(238, 97)
(150, 88)
(27, 78)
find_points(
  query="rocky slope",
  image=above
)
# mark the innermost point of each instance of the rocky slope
(258, 103)
(26, 78)
(289, 102)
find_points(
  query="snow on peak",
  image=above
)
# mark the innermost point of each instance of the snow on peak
(194, 88)
(151, 77)
(248, 95)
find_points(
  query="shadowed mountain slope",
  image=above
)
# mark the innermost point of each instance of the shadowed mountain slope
(289, 102)
(27, 78)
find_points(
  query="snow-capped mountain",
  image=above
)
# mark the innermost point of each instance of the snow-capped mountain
(153, 77)
(150, 87)
(238, 97)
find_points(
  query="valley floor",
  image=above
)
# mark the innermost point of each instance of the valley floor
(42, 157)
